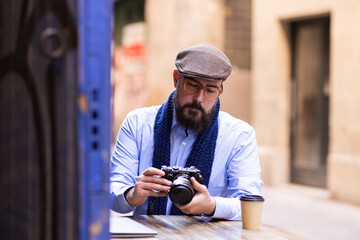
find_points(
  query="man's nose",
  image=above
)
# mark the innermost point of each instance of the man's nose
(199, 96)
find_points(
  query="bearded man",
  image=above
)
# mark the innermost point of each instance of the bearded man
(187, 130)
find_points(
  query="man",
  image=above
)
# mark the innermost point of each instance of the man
(187, 130)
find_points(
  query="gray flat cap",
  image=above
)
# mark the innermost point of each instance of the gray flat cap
(203, 61)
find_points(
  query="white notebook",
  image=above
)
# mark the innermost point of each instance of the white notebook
(127, 227)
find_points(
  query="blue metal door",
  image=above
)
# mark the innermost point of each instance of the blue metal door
(55, 128)
(95, 19)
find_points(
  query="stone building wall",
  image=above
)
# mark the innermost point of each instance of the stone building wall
(172, 26)
(271, 90)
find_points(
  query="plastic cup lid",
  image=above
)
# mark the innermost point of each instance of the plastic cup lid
(252, 198)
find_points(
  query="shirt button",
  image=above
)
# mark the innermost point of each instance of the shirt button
(184, 143)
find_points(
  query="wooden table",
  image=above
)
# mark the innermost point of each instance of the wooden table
(194, 228)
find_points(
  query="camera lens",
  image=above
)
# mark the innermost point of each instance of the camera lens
(181, 191)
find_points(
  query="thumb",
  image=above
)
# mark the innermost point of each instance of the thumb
(196, 185)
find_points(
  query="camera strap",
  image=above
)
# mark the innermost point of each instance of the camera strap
(150, 209)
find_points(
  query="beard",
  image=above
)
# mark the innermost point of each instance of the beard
(193, 121)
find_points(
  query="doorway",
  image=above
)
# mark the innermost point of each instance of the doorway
(309, 136)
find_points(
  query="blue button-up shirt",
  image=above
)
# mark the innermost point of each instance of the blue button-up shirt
(235, 170)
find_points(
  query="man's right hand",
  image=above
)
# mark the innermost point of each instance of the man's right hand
(149, 183)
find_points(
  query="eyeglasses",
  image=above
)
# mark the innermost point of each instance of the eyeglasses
(191, 86)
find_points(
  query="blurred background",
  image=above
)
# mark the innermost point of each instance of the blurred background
(295, 79)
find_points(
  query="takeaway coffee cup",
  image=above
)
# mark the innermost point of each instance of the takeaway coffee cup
(251, 210)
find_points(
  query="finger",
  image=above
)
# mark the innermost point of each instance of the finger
(153, 171)
(156, 193)
(154, 179)
(152, 186)
(148, 193)
(188, 207)
(184, 209)
(159, 194)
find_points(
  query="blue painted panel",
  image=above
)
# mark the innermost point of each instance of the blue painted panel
(95, 18)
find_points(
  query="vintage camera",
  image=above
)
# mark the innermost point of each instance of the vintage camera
(181, 191)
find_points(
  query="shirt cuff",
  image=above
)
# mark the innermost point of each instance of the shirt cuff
(227, 208)
(120, 204)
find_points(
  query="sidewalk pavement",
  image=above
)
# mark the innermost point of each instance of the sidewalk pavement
(311, 211)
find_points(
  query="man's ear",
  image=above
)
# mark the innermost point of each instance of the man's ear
(176, 77)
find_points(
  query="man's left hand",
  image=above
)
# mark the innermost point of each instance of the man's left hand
(202, 202)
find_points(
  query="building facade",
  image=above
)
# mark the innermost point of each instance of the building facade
(305, 93)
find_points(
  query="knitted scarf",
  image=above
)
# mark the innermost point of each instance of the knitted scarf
(201, 155)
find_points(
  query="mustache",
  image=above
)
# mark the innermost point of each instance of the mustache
(194, 105)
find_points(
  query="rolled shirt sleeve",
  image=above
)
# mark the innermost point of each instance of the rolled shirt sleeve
(125, 161)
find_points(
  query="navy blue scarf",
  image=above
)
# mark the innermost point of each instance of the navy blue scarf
(201, 155)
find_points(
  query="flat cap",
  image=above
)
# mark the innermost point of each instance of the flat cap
(203, 61)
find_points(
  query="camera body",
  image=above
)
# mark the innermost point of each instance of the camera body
(181, 191)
